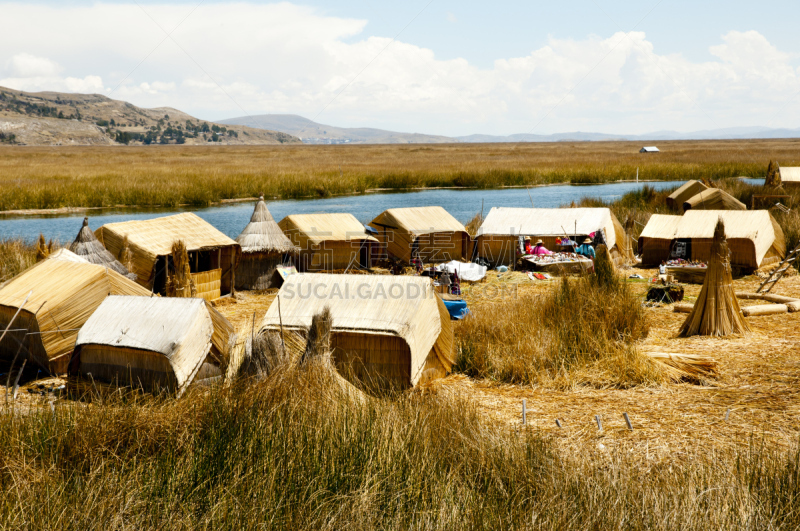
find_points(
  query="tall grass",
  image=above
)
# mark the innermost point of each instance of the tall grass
(284, 453)
(581, 331)
(167, 176)
(16, 256)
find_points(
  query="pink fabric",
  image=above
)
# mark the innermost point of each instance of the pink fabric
(540, 250)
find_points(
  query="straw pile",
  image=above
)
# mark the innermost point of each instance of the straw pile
(87, 246)
(717, 311)
(685, 367)
(179, 279)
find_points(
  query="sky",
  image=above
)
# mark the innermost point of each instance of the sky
(428, 66)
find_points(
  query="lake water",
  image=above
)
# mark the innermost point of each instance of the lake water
(231, 219)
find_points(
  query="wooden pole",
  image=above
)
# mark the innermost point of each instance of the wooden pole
(524, 413)
(628, 421)
(280, 320)
(16, 380)
(599, 424)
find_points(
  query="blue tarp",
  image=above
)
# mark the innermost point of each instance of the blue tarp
(457, 309)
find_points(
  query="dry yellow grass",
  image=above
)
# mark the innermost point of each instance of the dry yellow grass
(56, 177)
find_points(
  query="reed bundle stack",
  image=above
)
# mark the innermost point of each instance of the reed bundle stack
(179, 279)
(88, 247)
(717, 311)
(264, 247)
(43, 249)
(604, 267)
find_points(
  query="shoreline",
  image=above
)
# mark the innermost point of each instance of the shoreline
(76, 210)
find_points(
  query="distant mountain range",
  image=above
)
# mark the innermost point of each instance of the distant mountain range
(315, 133)
(58, 118)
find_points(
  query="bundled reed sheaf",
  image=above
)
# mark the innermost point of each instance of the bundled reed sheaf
(179, 279)
(126, 255)
(43, 248)
(717, 311)
(604, 274)
(88, 247)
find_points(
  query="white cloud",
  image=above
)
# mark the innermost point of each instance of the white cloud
(232, 59)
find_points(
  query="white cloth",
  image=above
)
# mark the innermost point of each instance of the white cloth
(466, 270)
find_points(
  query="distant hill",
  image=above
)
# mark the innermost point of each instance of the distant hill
(311, 132)
(733, 133)
(314, 133)
(56, 118)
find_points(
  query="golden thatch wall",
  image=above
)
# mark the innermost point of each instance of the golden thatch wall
(208, 284)
(128, 366)
(654, 250)
(32, 345)
(433, 247)
(330, 255)
(256, 270)
(372, 358)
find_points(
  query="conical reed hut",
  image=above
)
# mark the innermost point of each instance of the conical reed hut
(264, 247)
(716, 312)
(88, 247)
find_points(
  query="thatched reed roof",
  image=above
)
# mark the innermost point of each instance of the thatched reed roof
(177, 329)
(545, 222)
(713, 199)
(314, 229)
(372, 307)
(149, 239)
(65, 294)
(88, 247)
(753, 236)
(688, 190)
(66, 255)
(263, 235)
(790, 175)
(418, 220)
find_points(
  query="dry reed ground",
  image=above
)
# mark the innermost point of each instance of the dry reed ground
(759, 381)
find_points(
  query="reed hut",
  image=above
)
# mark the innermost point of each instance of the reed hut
(154, 342)
(264, 248)
(717, 311)
(713, 199)
(63, 295)
(676, 199)
(213, 257)
(789, 176)
(391, 330)
(66, 255)
(754, 238)
(429, 233)
(328, 242)
(88, 247)
(498, 237)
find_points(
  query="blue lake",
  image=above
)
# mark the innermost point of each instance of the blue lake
(231, 219)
